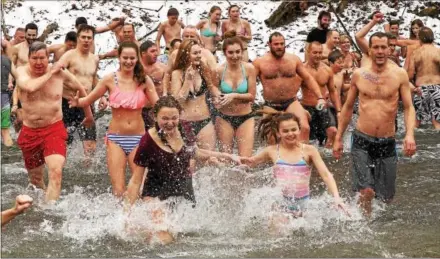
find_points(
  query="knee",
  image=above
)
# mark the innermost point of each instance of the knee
(36, 179)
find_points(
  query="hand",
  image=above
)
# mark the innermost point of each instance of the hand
(409, 146)
(417, 90)
(249, 161)
(101, 56)
(339, 204)
(10, 86)
(103, 103)
(338, 148)
(22, 202)
(88, 122)
(378, 17)
(74, 102)
(14, 109)
(321, 104)
(189, 73)
(122, 20)
(235, 159)
(226, 99)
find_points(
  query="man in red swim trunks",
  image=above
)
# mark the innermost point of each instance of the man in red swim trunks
(43, 136)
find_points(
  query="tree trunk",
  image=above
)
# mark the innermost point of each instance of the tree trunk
(287, 12)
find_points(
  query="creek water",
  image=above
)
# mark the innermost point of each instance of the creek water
(231, 216)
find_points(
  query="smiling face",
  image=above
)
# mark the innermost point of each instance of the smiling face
(394, 29)
(345, 45)
(195, 55)
(30, 36)
(128, 59)
(289, 131)
(234, 53)
(168, 119)
(338, 65)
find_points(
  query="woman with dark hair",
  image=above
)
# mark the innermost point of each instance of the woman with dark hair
(240, 26)
(209, 29)
(129, 88)
(166, 151)
(416, 25)
(292, 162)
(190, 82)
(234, 94)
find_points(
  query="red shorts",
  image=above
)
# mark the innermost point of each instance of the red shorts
(38, 143)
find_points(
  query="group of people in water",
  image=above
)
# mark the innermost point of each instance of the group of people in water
(170, 113)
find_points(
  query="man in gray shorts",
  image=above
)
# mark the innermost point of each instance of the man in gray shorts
(373, 151)
(426, 61)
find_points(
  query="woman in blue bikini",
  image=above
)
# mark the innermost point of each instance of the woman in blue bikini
(234, 91)
(210, 29)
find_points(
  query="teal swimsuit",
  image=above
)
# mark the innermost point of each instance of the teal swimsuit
(208, 33)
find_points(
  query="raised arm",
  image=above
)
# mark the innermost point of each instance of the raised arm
(111, 26)
(360, 35)
(111, 54)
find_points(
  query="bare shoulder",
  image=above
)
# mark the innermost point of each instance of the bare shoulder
(310, 151)
(176, 73)
(161, 65)
(248, 66)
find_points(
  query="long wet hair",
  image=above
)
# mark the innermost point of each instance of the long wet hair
(170, 102)
(183, 60)
(269, 125)
(418, 22)
(139, 73)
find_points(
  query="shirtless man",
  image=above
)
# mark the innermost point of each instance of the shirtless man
(43, 136)
(331, 44)
(19, 53)
(323, 123)
(425, 69)
(341, 77)
(19, 36)
(58, 50)
(84, 65)
(277, 71)
(156, 71)
(127, 35)
(169, 29)
(378, 87)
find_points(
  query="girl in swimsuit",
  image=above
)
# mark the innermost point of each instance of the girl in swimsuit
(234, 91)
(292, 162)
(166, 151)
(209, 29)
(240, 26)
(190, 81)
(129, 89)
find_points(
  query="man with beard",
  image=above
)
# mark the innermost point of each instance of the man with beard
(426, 62)
(374, 159)
(43, 136)
(84, 65)
(278, 74)
(320, 33)
(156, 71)
(19, 53)
(323, 123)
(58, 50)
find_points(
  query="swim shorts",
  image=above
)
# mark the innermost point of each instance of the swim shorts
(321, 121)
(6, 111)
(374, 164)
(72, 118)
(428, 105)
(38, 143)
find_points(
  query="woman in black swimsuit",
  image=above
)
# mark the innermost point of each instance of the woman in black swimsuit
(190, 81)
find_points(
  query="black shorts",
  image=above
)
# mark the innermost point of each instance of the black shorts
(72, 118)
(321, 121)
(374, 164)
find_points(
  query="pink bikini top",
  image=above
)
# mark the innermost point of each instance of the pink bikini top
(127, 100)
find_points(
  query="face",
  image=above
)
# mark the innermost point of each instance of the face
(128, 59)
(195, 55)
(394, 29)
(233, 53)
(345, 45)
(151, 54)
(315, 53)
(415, 29)
(168, 119)
(234, 13)
(70, 44)
(128, 33)
(190, 33)
(173, 19)
(19, 36)
(277, 47)
(392, 45)
(38, 61)
(30, 36)
(85, 40)
(338, 65)
(216, 16)
(379, 50)
(325, 22)
(288, 131)
(335, 38)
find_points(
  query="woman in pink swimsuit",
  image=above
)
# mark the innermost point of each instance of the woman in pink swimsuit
(129, 89)
(292, 163)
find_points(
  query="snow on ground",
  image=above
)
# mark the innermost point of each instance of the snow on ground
(45, 12)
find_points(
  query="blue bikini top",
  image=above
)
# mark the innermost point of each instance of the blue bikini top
(242, 88)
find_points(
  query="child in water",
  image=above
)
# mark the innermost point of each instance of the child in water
(292, 162)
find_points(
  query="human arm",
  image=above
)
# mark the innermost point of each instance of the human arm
(345, 116)
(334, 96)
(411, 69)
(261, 158)
(111, 26)
(360, 35)
(308, 80)
(53, 48)
(111, 54)
(204, 154)
(247, 36)
(409, 143)
(150, 91)
(160, 32)
(26, 83)
(200, 25)
(94, 95)
(14, 100)
(22, 202)
(180, 88)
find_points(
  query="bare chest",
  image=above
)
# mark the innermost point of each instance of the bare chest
(380, 87)
(278, 70)
(320, 75)
(83, 67)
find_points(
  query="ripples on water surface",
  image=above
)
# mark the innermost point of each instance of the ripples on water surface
(230, 219)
